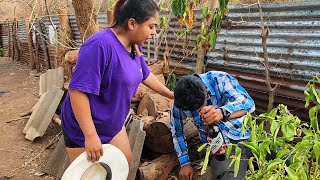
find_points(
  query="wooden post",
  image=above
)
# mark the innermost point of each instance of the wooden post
(43, 44)
(9, 40)
(16, 49)
(30, 45)
(65, 36)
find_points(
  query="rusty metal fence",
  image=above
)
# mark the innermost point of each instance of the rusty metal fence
(293, 46)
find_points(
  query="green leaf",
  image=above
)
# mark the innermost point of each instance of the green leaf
(316, 149)
(232, 161)
(273, 163)
(250, 163)
(303, 174)
(308, 132)
(315, 94)
(273, 113)
(178, 7)
(202, 147)
(228, 151)
(292, 173)
(205, 12)
(276, 134)
(282, 152)
(213, 39)
(313, 115)
(206, 160)
(252, 146)
(274, 126)
(237, 162)
(264, 146)
(307, 98)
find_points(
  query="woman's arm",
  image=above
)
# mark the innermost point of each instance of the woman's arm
(81, 109)
(153, 83)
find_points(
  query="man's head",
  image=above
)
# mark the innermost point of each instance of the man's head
(189, 93)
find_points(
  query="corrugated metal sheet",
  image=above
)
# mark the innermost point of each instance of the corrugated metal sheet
(293, 42)
(293, 47)
(22, 35)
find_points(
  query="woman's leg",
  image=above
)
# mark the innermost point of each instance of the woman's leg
(73, 153)
(121, 141)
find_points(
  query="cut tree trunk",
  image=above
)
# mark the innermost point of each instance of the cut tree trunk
(86, 17)
(158, 168)
(159, 137)
(156, 68)
(65, 35)
(154, 103)
(143, 90)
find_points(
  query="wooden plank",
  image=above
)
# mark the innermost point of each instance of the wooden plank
(136, 139)
(59, 160)
(43, 84)
(42, 116)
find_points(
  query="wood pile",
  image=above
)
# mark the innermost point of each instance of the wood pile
(158, 159)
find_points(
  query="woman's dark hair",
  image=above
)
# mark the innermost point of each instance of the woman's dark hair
(189, 93)
(140, 10)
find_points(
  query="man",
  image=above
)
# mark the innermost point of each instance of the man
(216, 102)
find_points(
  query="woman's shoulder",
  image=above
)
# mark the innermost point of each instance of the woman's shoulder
(102, 37)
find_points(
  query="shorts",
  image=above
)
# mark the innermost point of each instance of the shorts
(68, 142)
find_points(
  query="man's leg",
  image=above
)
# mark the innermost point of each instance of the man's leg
(220, 169)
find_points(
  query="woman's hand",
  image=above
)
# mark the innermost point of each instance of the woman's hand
(93, 147)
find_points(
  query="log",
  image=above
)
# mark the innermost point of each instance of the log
(70, 60)
(156, 68)
(158, 168)
(143, 90)
(72, 56)
(158, 136)
(154, 103)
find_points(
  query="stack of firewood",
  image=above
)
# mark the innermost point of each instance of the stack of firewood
(154, 110)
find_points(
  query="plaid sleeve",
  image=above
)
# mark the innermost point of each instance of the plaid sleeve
(177, 120)
(238, 98)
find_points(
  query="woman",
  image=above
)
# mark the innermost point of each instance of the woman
(109, 70)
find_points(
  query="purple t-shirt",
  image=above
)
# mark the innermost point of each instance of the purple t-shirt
(110, 77)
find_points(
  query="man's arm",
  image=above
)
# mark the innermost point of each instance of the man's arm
(238, 98)
(180, 146)
(176, 127)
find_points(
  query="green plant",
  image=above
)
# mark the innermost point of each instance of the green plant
(171, 81)
(295, 145)
(1, 52)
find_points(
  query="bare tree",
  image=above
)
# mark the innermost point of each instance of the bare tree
(264, 35)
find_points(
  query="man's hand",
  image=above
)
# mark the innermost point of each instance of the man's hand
(186, 172)
(93, 147)
(210, 115)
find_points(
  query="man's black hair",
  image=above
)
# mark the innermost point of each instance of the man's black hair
(189, 93)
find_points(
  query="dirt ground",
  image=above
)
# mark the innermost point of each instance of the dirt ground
(19, 157)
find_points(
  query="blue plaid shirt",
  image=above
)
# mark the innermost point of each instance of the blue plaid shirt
(224, 92)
